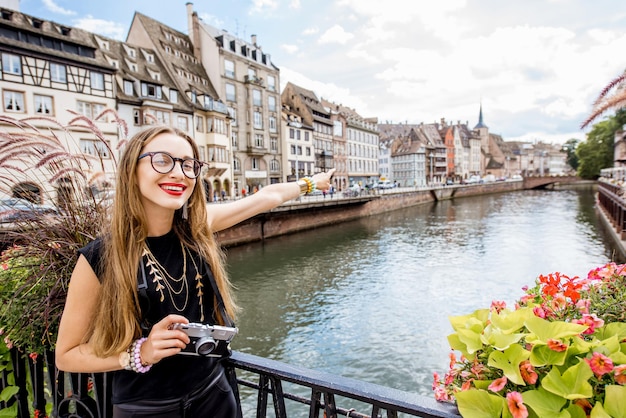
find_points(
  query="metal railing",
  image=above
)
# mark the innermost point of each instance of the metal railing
(89, 394)
(611, 199)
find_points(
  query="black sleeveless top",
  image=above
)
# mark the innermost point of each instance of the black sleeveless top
(191, 297)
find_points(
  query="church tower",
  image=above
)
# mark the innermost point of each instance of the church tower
(482, 130)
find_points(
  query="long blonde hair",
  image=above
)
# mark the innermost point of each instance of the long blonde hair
(116, 319)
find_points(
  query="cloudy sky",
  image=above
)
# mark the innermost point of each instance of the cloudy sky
(535, 65)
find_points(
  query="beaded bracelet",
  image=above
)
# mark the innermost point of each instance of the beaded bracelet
(135, 357)
(310, 185)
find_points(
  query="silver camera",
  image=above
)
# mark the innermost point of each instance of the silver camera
(207, 340)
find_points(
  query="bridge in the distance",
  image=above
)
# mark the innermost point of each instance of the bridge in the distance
(541, 182)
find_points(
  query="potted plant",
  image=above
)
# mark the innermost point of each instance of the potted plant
(559, 352)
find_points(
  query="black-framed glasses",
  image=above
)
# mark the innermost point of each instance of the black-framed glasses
(163, 163)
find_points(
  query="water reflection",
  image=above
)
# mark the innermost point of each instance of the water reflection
(370, 299)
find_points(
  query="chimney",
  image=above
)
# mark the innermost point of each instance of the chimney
(253, 37)
(189, 19)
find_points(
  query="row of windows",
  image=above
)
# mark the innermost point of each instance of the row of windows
(359, 150)
(12, 64)
(14, 101)
(307, 150)
(360, 166)
(255, 164)
(364, 137)
(257, 97)
(229, 71)
(295, 134)
(215, 125)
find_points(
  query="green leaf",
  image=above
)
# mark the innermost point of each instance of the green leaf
(508, 361)
(599, 412)
(545, 330)
(615, 401)
(545, 404)
(617, 329)
(8, 392)
(468, 330)
(499, 340)
(511, 321)
(10, 412)
(618, 358)
(542, 355)
(479, 404)
(477, 318)
(573, 384)
(456, 344)
(609, 345)
(471, 339)
(576, 411)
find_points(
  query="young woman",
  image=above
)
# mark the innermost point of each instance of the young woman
(158, 265)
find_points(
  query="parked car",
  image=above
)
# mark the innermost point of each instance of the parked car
(13, 210)
(352, 191)
(473, 180)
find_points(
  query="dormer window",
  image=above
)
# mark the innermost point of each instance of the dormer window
(151, 90)
(37, 24)
(102, 43)
(148, 56)
(154, 75)
(7, 14)
(114, 63)
(65, 31)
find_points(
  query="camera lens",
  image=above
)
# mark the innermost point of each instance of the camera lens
(205, 346)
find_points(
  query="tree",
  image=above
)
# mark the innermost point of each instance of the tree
(570, 149)
(596, 152)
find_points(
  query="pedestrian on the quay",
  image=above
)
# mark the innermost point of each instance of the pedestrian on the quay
(155, 269)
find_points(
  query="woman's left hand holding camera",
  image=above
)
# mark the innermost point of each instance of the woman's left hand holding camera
(164, 341)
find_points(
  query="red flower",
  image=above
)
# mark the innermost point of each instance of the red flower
(33, 356)
(620, 374)
(516, 405)
(600, 364)
(498, 384)
(528, 372)
(498, 305)
(556, 345)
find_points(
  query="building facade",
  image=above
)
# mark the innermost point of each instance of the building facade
(249, 84)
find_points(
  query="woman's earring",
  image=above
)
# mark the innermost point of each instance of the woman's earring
(185, 211)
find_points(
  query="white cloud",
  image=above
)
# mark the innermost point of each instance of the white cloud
(336, 34)
(289, 48)
(260, 6)
(311, 30)
(55, 8)
(211, 20)
(111, 29)
(294, 4)
(328, 91)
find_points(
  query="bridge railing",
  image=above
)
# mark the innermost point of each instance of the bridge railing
(327, 395)
(611, 200)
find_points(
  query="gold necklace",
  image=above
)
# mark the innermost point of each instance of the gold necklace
(199, 286)
(160, 277)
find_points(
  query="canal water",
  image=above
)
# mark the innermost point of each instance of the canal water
(370, 299)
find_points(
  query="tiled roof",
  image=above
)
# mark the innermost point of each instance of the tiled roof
(186, 63)
(20, 32)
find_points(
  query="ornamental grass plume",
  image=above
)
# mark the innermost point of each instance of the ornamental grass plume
(47, 166)
(612, 97)
(560, 352)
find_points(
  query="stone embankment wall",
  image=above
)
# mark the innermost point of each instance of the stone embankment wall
(307, 213)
